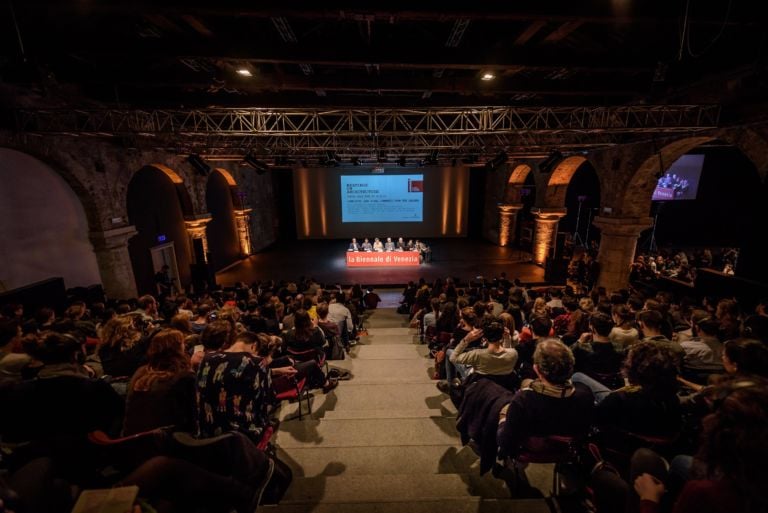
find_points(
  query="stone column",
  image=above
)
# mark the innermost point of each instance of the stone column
(546, 231)
(196, 230)
(508, 222)
(115, 268)
(618, 241)
(242, 218)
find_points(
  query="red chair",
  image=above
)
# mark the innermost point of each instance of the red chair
(266, 437)
(557, 449)
(291, 389)
(618, 446)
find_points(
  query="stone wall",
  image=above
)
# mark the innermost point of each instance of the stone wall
(99, 172)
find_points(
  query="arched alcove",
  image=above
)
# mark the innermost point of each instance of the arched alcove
(43, 225)
(155, 208)
(223, 244)
(636, 201)
(582, 200)
(516, 183)
(558, 182)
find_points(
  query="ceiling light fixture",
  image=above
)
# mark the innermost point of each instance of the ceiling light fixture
(244, 72)
(487, 76)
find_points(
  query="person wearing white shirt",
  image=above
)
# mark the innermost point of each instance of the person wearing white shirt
(377, 245)
(341, 315)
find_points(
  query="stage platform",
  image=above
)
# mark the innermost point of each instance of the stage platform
(325, 260)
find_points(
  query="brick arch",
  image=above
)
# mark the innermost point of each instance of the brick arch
(557, 186)
(96, 220)
(181, 190)
(227, 176)
(512, 192)
(752, 144)
(636, 201)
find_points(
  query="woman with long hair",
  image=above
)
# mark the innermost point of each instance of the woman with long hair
(305, 342)
(123, 347)
(162, 392)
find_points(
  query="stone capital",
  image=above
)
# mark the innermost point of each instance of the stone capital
(195, 225)
(551, 215)
(112, 239)
(242, 212)
(622, 226)
(509, 208)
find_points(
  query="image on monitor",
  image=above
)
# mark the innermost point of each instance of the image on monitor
(681, 180)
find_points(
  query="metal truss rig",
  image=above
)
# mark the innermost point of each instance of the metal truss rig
(308, 132)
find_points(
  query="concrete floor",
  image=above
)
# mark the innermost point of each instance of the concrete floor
(385, 441)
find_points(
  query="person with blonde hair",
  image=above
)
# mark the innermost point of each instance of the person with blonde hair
(540, 308)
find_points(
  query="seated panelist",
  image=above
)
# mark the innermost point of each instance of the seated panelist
(389, 246)
(366, 246)
(377, 245)
(401, 244)
(410, 246)
(353, 246)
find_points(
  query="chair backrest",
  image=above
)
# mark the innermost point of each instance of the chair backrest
(547, 449)
(305, 356)
(613, 380)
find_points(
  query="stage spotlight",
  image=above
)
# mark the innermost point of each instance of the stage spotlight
(401, 161)
(331, 158)
(260, 166)
(382, 157)
(356, 161)
(201, 167)
(432, 160)
(498, 160)
(546, 165)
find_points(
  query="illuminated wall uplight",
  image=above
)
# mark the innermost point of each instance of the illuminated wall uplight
(244, 72)
(487, 76)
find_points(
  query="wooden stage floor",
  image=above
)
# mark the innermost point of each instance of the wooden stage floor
(325, 260)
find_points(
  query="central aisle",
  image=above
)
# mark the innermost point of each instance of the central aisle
(385, 441)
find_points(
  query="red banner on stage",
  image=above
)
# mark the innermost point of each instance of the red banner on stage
(382, 259)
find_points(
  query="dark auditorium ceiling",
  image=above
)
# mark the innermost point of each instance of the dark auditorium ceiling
(193, 55)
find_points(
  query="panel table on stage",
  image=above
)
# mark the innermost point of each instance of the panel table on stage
(382, 258)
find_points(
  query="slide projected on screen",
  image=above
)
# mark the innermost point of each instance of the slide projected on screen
(382, 198)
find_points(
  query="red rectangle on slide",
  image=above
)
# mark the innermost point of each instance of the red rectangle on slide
(382, 259)
(415, 185)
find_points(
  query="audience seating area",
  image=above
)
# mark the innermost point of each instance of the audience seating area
(632, 402)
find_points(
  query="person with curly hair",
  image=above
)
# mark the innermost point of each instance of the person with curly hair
(162, 392)
(123, 348)
(648, 405)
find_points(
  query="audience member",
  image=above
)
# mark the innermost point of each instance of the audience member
(624, 333)
(234, 390)
(595, 354)
(549, 405)
(162, 392)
